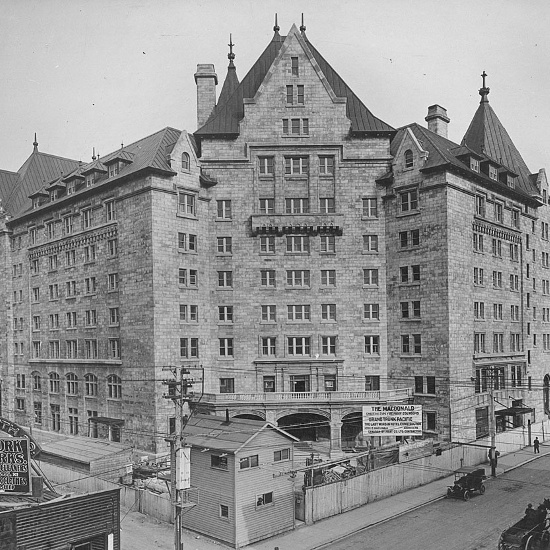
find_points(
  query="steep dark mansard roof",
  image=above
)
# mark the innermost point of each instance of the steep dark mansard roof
(486, 138)
(41, 169)
(226, 116)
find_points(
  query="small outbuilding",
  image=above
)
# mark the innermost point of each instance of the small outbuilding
(241, 471)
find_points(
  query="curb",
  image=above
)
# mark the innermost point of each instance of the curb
(379, 522)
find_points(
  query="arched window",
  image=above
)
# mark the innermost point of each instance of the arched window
(546, 394)
(36, 381)
(114, 386)
(91, 384)
(409, 162)
(54, 382)
(185, 161)
(72, 383)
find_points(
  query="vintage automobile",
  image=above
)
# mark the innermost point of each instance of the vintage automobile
(468, 480)
(530, 533)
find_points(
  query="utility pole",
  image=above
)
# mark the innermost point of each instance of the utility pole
(180, 453)
(492, 426)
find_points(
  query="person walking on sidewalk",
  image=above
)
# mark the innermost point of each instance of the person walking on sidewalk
(536, 445)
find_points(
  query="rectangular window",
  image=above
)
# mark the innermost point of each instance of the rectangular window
(300, 95)
(327, 205)
(479, 276)
(114, 348)
(225, 279)
(225, 314)
(497, 248)
(224, 510)
(328, 347)
(35, 266)
(328, 277)
(298, 278)
(497, 312)
(91, 286)
(90, 316)
(226, 347)
(370, 208)
(372, 383)
(299, 345)
(370, 277)
(328, 244)
(371, 312)
(91, 349)
(50, 230)
(72, 349)
(295, 166)
(189, 348)
(294, 66)
(53, 347)
(268, 346)
(409, 239)
(290, 95)
(515, 219)
(56, 417)
(479, 310)
(370, 243)
(299, 313)
(478, 242)
(326, 166)
(269, 314)
(110, 211)
(86, 218)
(264, 499)
(479, 342)
(328, 312)
(297, 244)
(220, 462)
(431, 421)
(283, 454)
(269, 384)
(267, 245)
(267, 278)
(248, 462)
(515, 342)
(514, 283)
(71, 319)
(409, 200)
(224, 209)
(372, 345)
(71, 289)
(114, 316)
(296, 206)
(37, 412)
(112, 282)
(186, 204)
(497, 279)
(499, 212)
(480, 205)
(267, 206)
(225, 245)
(227, 385)
(498, 342)
(266, 166)
(90, 253)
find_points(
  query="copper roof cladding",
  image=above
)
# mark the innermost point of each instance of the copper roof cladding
(443, 154)
(37, 170)
(487, 136)
(8, 181)
(147, 153)
(226, 117)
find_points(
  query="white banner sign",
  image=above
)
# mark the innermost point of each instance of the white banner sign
(394, 420)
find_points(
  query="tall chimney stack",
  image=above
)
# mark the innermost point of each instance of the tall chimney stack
(437, 120)
(206, 80)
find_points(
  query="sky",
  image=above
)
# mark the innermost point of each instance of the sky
(98, 73)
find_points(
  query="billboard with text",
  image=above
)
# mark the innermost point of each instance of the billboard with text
(15, 466)
(392, 420)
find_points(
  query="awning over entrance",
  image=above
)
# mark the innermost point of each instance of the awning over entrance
(513, 411)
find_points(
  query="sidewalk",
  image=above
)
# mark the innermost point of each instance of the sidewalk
(138, 529)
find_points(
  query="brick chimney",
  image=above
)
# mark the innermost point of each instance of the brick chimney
(437, 120)
(206, 80)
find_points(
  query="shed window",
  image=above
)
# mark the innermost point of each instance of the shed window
(264, 499)
(283, 454)
(249, 462)
(224, 511)
(218, 461)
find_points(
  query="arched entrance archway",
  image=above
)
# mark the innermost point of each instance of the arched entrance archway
(546, 394)
(306, 426)
(249, 416)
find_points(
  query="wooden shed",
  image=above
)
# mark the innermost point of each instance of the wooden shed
(241, 471)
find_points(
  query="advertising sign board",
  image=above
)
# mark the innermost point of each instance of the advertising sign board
(15, 466)
(392, 420)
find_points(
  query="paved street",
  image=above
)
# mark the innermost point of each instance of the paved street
(458, 525)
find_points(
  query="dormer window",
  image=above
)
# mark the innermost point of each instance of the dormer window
(409, 159)
(53, 195)
(185, 162)
(113, 169)
(70, 187)
(493, 172)
(511, 181)
(35, 203)
(90, 179)
(474, 164)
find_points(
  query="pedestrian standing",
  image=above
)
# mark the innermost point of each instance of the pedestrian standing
(536, 445)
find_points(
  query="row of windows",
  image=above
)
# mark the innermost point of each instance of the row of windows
(498, 211)
(71, 320)
(72, 288)
(480, 342)
(411, 344)
(72, 350)
(499, 377)
(72, 384)
(498, 281)
(497, 311)
(67, 223)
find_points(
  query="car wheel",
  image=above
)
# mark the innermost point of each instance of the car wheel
(466, 495)
(482, 489)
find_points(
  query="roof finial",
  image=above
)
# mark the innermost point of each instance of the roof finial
(484, 91)
(230, 55)
(122, 145)
(302, 26)
(93, 154)
(35, 143)
(276, 28)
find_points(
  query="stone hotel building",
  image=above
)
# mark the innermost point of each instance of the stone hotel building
(304, 255)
